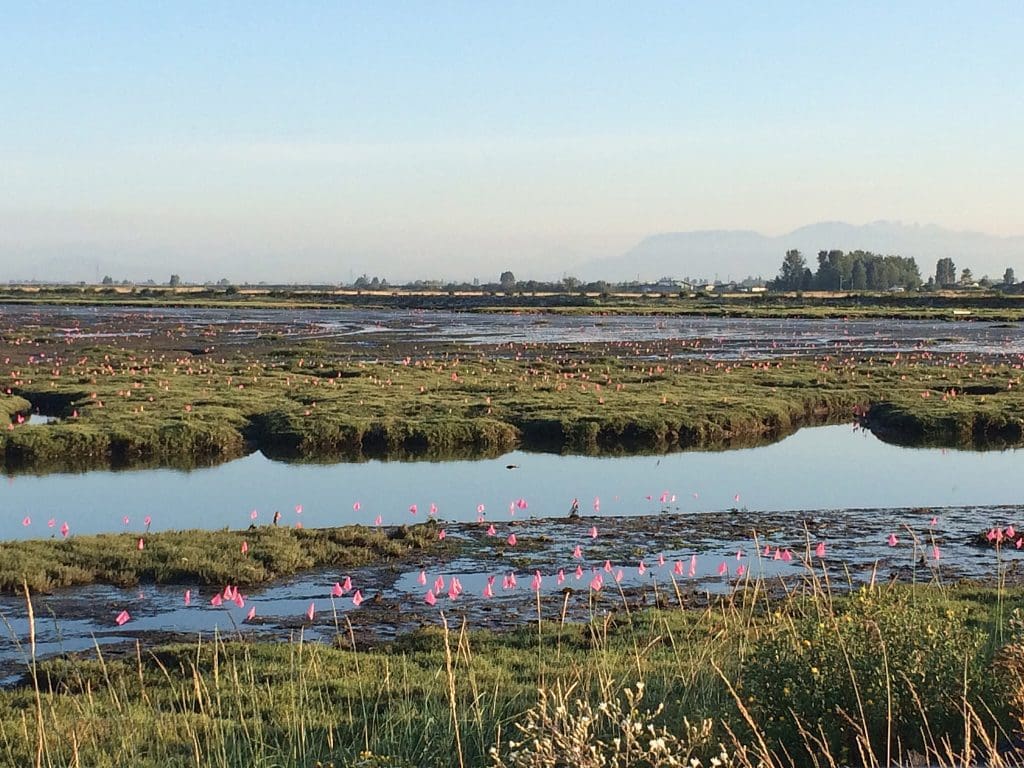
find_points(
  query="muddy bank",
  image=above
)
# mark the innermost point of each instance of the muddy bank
(685, 559)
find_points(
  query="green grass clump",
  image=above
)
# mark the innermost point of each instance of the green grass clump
(203, 557)
(11, 406)
(864, 677)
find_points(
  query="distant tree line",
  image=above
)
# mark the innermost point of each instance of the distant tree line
(853, 271)
(866, 271)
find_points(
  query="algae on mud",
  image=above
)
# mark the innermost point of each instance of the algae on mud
(116, 407)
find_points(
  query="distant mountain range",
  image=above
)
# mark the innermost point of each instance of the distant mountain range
(735, 254)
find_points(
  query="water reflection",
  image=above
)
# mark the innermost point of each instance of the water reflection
(816, 468)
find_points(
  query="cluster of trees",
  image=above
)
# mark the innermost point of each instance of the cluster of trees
(507, 282)
(364, 283)
(945, 277)
(853, 271)
(866, 271)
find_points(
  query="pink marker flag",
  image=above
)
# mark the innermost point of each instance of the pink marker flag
(245, 547)
(491, 531)
(429, 598)
(422, 578)
(336, 590)
(64, 529)
(122, 618)
(357, 599)
(188, 597)
(141, 545)
(251, 614)
(819, 551)
(311, 612)
(511, 539)
(216, 600)
(593, 532)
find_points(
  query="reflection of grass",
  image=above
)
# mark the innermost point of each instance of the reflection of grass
(120, 408)
(810, 678)
(204, 557)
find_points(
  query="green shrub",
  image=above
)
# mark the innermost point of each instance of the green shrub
(877, 672)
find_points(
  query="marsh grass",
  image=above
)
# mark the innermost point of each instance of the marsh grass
(118, 408)
(205, 557)
(805, 675)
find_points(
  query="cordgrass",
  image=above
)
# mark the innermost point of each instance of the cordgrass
(204, 557)
(804, 677)
(117, 408)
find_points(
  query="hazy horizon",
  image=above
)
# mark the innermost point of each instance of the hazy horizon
(316, 142)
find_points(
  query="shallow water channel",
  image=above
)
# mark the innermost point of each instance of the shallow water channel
(830, 467)
(698, 521)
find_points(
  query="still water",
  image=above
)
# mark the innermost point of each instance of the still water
(832, 467)
(687, 516)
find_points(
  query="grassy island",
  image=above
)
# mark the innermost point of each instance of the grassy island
(113, 407)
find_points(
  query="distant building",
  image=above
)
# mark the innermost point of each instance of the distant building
(671, 284)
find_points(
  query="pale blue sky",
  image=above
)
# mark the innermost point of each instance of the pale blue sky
(318, 141)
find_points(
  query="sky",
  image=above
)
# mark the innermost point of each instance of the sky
(299, 141)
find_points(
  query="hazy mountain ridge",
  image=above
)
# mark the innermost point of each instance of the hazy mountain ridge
(735, 254)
